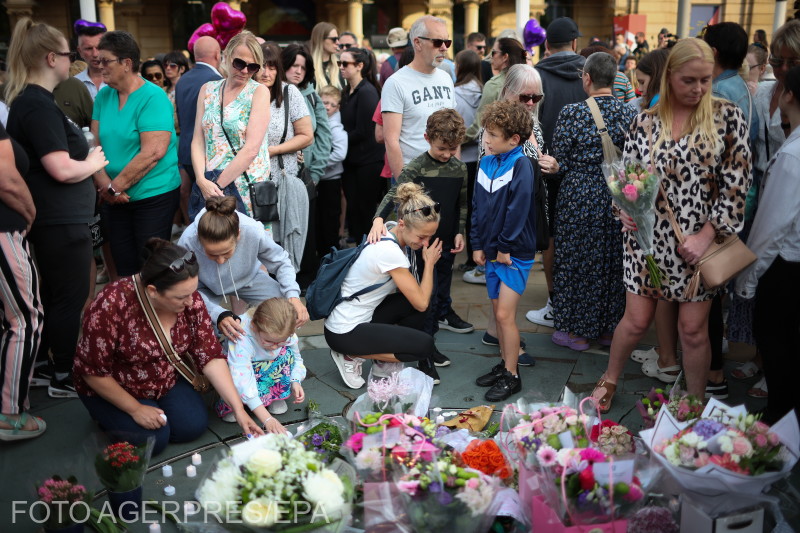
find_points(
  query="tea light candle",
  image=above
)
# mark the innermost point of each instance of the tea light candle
(166, 471)
(155, 528)
(169, 490)
(440, 419)
(189, 508)
(191, 471)
(196, 459)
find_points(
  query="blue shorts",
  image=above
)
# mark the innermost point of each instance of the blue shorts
(514, 276)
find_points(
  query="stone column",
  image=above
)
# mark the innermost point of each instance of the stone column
(471, 8)
(442, 9)
(684, 6)
(88, 11)
(106, 9)
(18, 9)
(780, 15)
(355, 18)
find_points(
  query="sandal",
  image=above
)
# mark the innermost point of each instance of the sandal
(745, 371)
(16, 432)
(603, 393)
(759, 390)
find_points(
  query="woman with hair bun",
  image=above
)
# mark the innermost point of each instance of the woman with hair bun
(122, 374)
(386, 324)
(231, 248)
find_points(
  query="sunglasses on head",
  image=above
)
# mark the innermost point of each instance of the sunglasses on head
(153, 76)
(345, 64)
(525, 98)
(179, 265)
(427, 210)
(437, 43)
(241, 64)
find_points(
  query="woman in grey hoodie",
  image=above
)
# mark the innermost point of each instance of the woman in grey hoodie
(231, 248)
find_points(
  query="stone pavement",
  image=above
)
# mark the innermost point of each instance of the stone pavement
(66, 447)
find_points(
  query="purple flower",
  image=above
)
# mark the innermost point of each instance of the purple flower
(707, 428)
(445, 498)
(317, 440)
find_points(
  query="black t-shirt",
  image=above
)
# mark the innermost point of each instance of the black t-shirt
(37, 123)
(10, 220)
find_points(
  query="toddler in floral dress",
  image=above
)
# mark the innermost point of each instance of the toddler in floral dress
(266, 364)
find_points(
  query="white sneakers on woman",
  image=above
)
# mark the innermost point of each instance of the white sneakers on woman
(349, 369)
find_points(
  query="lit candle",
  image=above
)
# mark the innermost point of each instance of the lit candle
(191, 471)
(166, 471)
(196, 459)
(155, 528)
(169, 490)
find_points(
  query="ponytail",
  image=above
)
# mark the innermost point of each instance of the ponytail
(30, 44)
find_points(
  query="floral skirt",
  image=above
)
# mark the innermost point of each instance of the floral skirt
(273, 379)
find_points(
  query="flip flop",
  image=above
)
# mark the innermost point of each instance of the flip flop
(745, 371)
(16, 432)
(759, 390)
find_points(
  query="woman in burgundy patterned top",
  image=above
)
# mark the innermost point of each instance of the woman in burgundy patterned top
(123, 375)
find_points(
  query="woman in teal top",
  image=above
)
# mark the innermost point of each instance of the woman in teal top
(140, 187)
(233, 144)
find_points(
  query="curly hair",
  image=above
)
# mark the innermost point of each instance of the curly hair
(447, 126)
(510, 117)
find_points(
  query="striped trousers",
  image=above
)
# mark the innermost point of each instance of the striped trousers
(21, 318)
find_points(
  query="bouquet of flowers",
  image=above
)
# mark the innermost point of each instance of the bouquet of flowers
(486, 456)
(634, 189)
(539, 425)
(443, 496)
(60, 497)
(122, 466)
(273, 482)
(612, 438)
(321, 434)
(408, 391)
(726, 450)
(682, 407)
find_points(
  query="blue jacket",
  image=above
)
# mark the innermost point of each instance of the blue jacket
(503, 217)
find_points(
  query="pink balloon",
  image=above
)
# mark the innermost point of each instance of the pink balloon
(223, 38)
(226, 19)
(203, 31)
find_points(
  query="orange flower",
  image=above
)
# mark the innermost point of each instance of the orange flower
(486, 457)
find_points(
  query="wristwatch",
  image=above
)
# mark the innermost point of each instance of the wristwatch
(112, 191)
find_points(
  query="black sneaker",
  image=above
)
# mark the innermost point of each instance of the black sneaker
(62, 388)
(42, 374)
(490, 340)
(454, 323)
(487, 380)
(506, 385)
(426, 367)
(440, 359)
(717, 390)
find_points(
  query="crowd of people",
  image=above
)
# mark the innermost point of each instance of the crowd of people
(205, 188)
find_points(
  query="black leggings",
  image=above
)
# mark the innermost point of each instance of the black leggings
(396, 328)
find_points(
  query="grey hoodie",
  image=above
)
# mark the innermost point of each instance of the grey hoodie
(562, 85)
(254, 248)
(468, 96)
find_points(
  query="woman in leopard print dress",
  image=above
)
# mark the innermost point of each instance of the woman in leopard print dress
(699, 148)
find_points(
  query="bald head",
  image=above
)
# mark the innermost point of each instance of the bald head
(207, 50)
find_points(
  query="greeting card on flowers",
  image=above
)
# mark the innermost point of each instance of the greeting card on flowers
(611, 472)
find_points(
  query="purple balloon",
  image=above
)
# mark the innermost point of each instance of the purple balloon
(80, 24)
(533, 35)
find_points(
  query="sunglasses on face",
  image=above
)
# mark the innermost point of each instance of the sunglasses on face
(71, 55)
(241, 64)
(345, 46)
(345, 64)
(437, 43)
(154, 76)
(778, 62)
(535, 98)
(494, 52)
(334, 39)
(171, 65)
(480, 46)
(427, 210)
(179, 265)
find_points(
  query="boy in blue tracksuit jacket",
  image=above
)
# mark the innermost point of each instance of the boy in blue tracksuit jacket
(503, 233)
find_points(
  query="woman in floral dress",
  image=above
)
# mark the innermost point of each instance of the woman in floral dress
(698, 145)
(246, 117)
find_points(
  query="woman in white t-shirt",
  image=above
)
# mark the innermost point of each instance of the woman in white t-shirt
(386, 324)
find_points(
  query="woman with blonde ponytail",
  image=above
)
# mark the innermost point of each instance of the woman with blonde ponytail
(324, 44)
(61, 168)
(386, 324)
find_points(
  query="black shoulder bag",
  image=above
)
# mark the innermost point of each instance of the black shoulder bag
(303, 173)
(263, 194)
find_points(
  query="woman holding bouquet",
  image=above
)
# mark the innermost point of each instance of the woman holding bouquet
(698, 146)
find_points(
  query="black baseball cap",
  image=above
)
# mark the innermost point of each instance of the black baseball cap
(562, 30)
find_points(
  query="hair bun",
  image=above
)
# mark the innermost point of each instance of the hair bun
(153, 245)
(223, 205)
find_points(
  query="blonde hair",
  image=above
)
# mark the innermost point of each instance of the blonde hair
(787, 35)
(331, 92)
(410, 199)
(30, 43)
(701, 119)
(318, 35)
(276, 316)
(245, 38)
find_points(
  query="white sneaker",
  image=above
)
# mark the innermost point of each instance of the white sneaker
(349, 369)
(476, 275)
(543, 316)
(381, 370)
(229, 418)
(278, 407)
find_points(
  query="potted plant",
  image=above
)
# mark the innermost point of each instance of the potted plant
(121, 468)
(60, 497)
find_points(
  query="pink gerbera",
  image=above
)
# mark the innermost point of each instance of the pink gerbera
(546, 455)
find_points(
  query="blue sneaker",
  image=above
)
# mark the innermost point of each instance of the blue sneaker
(525, 359)
(490, 340)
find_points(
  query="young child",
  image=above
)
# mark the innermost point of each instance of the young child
(503, 235)
(329, 189)
(443, 175)
(266, 364)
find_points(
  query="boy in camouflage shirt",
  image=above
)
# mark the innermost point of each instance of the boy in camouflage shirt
(443, 175)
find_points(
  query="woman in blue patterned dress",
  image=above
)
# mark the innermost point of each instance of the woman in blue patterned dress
(589, 294)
